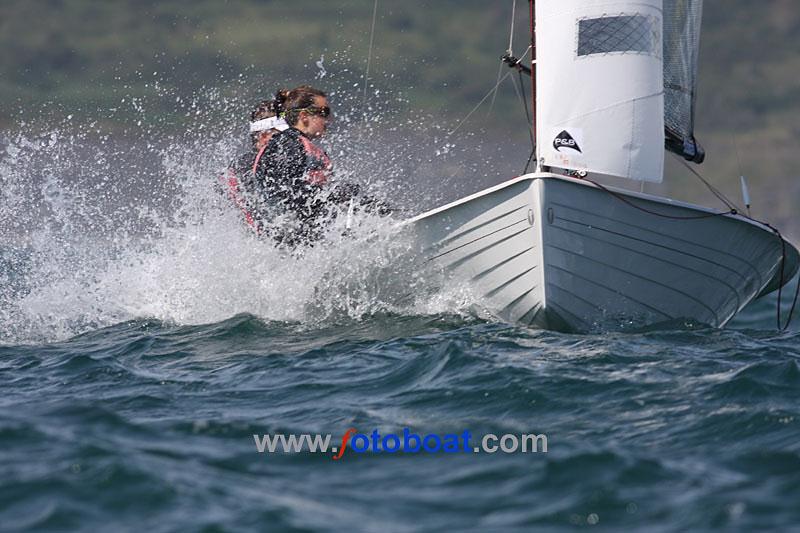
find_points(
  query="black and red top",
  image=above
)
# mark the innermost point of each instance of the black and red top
(290, 174)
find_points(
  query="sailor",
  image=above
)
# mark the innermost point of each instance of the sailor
(292, 175)
(237, 180)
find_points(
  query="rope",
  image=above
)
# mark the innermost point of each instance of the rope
(716, 192)
(508, 52)
(369, 58)
(794, 301)
(525, 105)
(781, 280)
(775, 230)
(640, 208)
(492, 90)
(530, 158)
(732, 211)
(494, 94)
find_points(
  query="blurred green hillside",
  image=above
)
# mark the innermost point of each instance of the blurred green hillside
(440, 57)
(78, 51)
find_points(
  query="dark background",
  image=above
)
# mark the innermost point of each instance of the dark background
(121, 63)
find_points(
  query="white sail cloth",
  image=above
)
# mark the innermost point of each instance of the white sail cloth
(600, 94)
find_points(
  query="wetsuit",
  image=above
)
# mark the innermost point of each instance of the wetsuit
(290, 175)
(293, 176)
(239, 185)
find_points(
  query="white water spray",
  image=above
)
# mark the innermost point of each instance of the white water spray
(99, 228)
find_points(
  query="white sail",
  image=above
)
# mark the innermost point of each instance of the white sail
(600, 94)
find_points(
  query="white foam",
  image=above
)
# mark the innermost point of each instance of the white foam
(101, 251)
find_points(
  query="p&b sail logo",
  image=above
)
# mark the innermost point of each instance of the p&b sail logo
(565, 140)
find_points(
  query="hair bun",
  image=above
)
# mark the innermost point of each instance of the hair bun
(280, 100)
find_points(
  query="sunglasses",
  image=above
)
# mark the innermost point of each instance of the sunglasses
(324, 111)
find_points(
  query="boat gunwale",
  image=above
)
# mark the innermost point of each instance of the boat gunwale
(578, 181)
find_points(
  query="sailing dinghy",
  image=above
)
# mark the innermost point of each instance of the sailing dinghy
(613, 85)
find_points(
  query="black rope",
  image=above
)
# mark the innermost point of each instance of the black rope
(528, 117)
(781, 280)
(525, 105)
(716, 192)
(530, 158)
(794, 304)
(620, 197)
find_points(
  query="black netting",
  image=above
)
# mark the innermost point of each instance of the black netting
(618, 34)
(681, 45)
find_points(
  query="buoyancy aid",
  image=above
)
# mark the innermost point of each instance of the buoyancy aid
(233, 186)
(239, 173)
(318, 164)
(291, 171)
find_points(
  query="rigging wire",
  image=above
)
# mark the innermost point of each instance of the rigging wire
(778, 306)
(528, 120)
(494, 94)
(525, 105)
(716, 192)
(509, 51)
(781, 280)
(528, 162)
(463, 120)
(524, 101)
(369, 60)
(520, 91)
(493, 89)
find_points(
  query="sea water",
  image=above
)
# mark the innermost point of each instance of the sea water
(148, 341)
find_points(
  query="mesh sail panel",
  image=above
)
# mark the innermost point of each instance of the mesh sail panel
(681, 46)
(622, 34)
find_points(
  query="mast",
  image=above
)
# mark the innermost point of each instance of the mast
(516, 63)
(532, 5)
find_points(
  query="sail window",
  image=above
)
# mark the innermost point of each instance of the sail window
(619, 34)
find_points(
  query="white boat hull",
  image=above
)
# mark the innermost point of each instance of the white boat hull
(563, 254)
